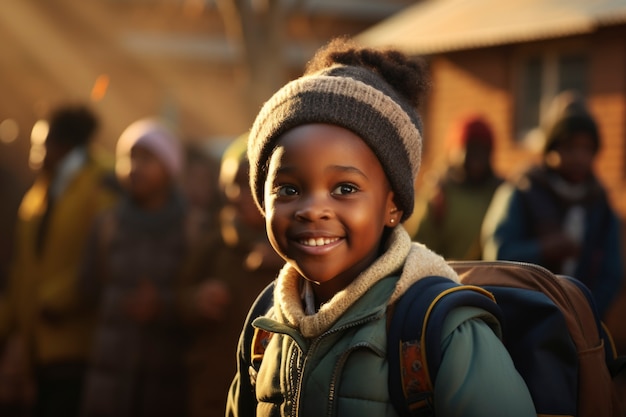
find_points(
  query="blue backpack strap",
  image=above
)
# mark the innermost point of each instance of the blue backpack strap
(414, 339)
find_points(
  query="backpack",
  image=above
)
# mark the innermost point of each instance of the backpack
(550, 328)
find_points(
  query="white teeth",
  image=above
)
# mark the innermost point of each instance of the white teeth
(320, 241)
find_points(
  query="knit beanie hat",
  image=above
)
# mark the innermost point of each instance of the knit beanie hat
(568, 115)
(475, 130)
(569, 125)
(158, 138)
(356, 99)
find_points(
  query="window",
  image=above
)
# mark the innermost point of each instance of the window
(541, 77)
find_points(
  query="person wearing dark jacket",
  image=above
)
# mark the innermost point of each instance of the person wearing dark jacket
(558, 214)
(137, 258)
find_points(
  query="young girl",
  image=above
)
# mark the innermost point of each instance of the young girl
(333, 156)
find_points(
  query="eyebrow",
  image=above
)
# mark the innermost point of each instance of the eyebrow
(347, 169)
(341, 168)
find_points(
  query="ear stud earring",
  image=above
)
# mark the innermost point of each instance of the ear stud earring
(392, 220)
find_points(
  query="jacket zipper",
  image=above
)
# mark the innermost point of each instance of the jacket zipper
(335, 376)
(297, 382)
(316, 342)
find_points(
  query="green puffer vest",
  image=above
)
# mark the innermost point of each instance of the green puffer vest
(341, 372)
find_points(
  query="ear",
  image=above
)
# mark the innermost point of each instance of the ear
(392, 214)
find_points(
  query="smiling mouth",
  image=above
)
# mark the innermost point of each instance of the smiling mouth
(320, 241)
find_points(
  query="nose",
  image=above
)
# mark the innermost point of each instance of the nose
(315, 206)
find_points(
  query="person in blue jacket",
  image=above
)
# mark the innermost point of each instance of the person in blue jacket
(558, 214)
(333, 158)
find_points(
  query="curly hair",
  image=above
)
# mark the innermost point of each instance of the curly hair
(408, 76)
(72, 125)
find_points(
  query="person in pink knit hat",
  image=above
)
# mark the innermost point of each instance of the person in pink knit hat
(139, 257)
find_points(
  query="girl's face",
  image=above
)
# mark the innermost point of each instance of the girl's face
(573, 158)
(327, 202)
(148, 179)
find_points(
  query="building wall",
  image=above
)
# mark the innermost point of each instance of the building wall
(608, 103)
(469, 82)
(484, 81)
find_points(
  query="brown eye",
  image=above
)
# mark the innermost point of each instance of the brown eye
(286, 191)
(343, 189)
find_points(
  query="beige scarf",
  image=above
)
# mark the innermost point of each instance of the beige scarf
(412, 260)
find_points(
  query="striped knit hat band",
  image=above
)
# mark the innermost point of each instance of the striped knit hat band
(355, 99)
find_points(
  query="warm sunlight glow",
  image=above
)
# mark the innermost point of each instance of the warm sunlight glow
(100, 87)
(37, 144)
(9, 130)
(39, 132)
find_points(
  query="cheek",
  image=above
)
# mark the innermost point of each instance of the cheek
(271, 217)
(360, 218)
(586, 159)
(276, 229)
(366, 220)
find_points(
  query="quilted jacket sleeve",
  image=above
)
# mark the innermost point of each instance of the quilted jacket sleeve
(477, 376)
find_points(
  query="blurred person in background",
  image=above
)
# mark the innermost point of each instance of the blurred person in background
(557, 214)
(241, 222)
(137, 260)
(200, 182)
(16, 388)
(245, 262)
(455, 210)
(42, 307)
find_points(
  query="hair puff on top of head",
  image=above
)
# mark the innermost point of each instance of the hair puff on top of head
(72, 125)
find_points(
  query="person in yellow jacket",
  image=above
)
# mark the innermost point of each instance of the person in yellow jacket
(41, 304)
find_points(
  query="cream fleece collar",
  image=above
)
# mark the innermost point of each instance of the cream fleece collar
(412, 260)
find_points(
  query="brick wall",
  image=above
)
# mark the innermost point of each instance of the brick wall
(608, 103)
(482, 81)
